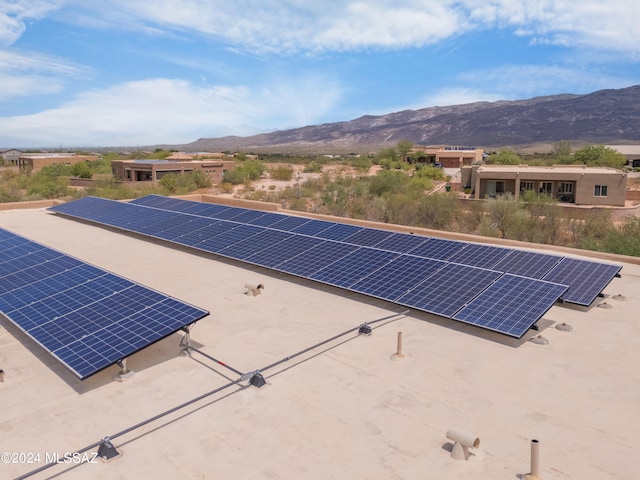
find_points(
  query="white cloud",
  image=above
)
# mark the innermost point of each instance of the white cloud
(14, 14)
(169, 111)
(595, 24)
(516, 82)
(293, 26)
(29, 73)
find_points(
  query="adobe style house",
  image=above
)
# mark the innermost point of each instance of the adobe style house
(153, 170)
(11, 156)
(33, 162)
(446, 156)
(579, 185)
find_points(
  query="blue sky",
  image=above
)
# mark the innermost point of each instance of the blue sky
(79, 73)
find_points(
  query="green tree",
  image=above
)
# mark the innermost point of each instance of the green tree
(505, 157)
(600, 156)
(503, 213)
(81, 170)
(281, 172)
(404, 147)
(387, 154)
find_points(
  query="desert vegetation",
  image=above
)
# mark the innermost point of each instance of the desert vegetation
(394, 191)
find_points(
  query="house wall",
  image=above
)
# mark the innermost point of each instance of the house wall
(37, 163)
(584, 183)
(11, 157)
(130, 170)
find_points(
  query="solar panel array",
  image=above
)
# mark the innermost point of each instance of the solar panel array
(454, 279)
(86, 317)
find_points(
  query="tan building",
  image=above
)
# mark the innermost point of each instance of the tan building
(631, 153)
(446, 156)
(580, 185)
(153, 170)
(11, 156)
(33, 162)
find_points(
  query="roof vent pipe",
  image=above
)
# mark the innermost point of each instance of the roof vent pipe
(463, 441)
(535, 461)
(253, 289)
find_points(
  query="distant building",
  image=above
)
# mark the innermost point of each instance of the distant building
(11, 156)
(446, 156)
(631, 153)
(154, 170)
(579, 185)
(33, 162)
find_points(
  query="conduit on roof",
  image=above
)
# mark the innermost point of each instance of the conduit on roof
(214, 391)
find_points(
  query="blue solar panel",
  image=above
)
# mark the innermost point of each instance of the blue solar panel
(368, 237)
(397, 277)
(318, 257)
(247, 216)
(219, 242)
(586, 280)
(312, 227)
(354, 267)
(511, 305)
(477, 255)
(449, 289)
(527, 264)
(288, 224)
(338, 231)
(432, 274)
(86, 317)
(266, 220)
(283, 251)
(401, 242)
(437, 248)
(229, 213)
(254, 244)
(184, 232)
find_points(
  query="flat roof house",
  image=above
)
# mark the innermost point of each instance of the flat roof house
(580, 185)
(11, 156)
(33, 162)
(447, 156)
(153, 170)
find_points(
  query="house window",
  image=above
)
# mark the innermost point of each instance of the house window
(526, 186)
(600, 191)
(546, 187)
(566, 187)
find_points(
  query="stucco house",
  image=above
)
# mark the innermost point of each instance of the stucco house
(579, 185)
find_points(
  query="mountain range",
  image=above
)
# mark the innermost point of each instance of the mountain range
(602, 117)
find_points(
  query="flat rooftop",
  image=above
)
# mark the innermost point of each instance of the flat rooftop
(345, 409)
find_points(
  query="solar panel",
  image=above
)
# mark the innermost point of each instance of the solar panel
(254, 244)
(266, 220)
(431, 274)
(527, 264)
(312, 227)
(289, 223)
(586, 280)
(449, 289)
(368, 237)
(283, 251)
(220, 241)
(397, 277)
(316, 258)
(437, 248)
(351, 268)
(86, 317)
(337, 231)
(511, 305)
(478, 255)
(401, 242)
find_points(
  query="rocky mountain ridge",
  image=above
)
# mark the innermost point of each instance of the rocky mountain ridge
(605, 117)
